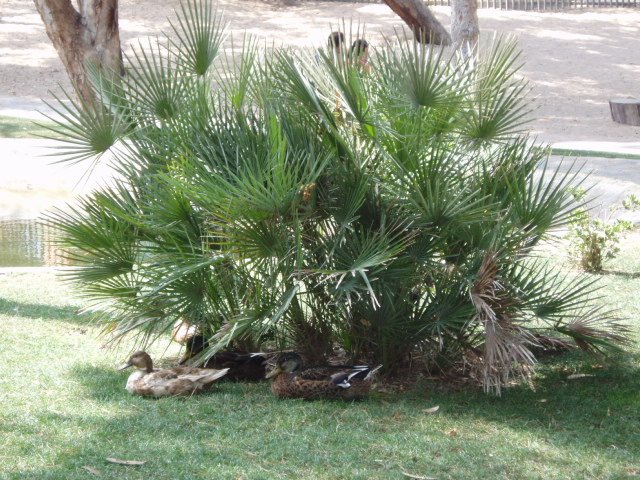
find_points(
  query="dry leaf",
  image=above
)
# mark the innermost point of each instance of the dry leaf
(432, 409)
(92, 470)
(453, 433)
(125, 462)
(579, 375)
(417, 477)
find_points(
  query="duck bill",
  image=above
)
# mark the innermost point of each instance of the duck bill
(124, 367)
(274, 373)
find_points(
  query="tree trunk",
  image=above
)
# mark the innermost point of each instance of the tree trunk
(87, 35)
(625, 111)
(464, 24)
(426, 27)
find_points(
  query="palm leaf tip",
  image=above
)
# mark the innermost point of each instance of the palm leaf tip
(597, 331)
(201, 32)
(505, 352)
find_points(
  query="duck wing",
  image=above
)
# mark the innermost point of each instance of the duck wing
(242, 365)
(179, 381)
(231, 359)
(339, 375)
(325, 382)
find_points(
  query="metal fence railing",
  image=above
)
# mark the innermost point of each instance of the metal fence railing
(541, 5)
(534, 5)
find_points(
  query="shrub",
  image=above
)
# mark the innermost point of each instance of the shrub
(593, 239)
(285, 196)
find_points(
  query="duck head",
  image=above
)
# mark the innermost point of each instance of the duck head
(287, 362)
(140, 360)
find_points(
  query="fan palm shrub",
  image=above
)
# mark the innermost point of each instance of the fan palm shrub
(285, 196)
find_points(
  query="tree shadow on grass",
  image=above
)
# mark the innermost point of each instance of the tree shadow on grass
(620, 273)
(100, 383)
(574, 399)
(224, 432)
(68, 314)
(226, 429)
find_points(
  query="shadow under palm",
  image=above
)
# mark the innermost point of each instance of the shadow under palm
(575, 399)
(68, 314)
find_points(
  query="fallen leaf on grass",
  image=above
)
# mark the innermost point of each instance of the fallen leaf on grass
(417, 477)
(453, 433)
(579, 375)
(92, 470)
(124, 462)
(432, 409)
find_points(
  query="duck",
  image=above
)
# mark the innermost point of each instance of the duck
(242, 366)
(149, 382)
(183, 331)
(291, 380)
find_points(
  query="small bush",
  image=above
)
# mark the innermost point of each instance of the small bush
(290, 197)
(594, 240)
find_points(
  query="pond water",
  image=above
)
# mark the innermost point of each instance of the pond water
(28, 243)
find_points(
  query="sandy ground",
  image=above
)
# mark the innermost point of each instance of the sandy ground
(575, 62)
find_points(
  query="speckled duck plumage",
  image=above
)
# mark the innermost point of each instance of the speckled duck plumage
(290, 380)
(150, 382)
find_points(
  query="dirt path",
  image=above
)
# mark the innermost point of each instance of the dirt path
(575, 61)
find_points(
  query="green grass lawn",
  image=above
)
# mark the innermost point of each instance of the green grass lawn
(64, 410)
(564, 152)
(13, 127)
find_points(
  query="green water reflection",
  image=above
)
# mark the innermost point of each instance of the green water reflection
(28, 243)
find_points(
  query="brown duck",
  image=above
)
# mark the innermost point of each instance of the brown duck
(150, 382)
(290, 380)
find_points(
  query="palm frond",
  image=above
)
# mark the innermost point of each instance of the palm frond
(505, 344)
(242, 73)
(156, 85)
(596, 330)
(82, 130)
(200, 31)
(498, 109)
(257, 321)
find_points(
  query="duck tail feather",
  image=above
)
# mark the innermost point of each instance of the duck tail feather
(373, 372)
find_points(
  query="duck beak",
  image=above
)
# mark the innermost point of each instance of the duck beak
(274, 373)
(126, 365)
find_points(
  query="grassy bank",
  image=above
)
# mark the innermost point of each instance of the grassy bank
(64, 410)
(14, 127)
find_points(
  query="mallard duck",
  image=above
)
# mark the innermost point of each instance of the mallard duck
(148, 382)
(290, 380)
(243, 366)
